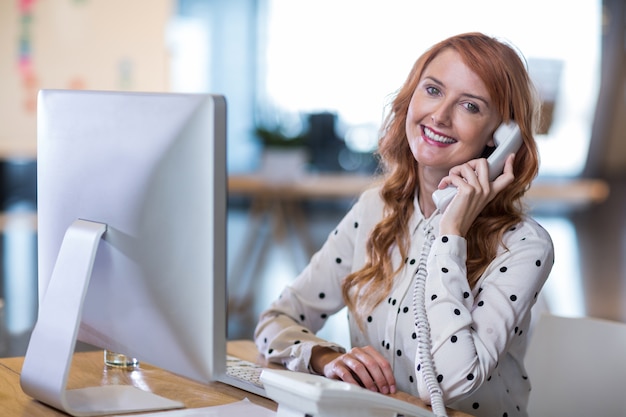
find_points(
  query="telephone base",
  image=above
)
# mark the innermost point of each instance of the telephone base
(305, 395)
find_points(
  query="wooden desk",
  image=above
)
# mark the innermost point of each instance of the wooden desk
(88, 370)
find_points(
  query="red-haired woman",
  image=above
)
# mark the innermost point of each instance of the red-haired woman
(439, 301)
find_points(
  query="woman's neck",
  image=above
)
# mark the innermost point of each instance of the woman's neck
(427, 206)
(426, 187)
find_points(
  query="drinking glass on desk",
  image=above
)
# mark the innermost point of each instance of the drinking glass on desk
(119, 360)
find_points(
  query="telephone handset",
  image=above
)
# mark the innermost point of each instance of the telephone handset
(299, 395)
(508, 140)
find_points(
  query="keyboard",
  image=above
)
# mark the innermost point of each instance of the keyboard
(244, 375)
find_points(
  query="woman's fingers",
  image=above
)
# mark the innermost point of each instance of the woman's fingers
(363, 366)
(473, 178)
(474, 192)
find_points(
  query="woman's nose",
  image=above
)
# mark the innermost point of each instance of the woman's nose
(441, 115)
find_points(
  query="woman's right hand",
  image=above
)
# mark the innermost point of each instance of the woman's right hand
(363, 366)
(474, 192)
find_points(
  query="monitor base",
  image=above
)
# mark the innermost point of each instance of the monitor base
(53, 340)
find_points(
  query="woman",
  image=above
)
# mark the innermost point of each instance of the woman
(439, 303)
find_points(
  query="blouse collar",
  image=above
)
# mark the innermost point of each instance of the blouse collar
(418, 217)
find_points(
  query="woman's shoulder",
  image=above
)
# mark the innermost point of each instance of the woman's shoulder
(372, 193)
(370, 201)
(529, 228)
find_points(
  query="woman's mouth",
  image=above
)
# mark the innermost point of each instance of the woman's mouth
(436, 137)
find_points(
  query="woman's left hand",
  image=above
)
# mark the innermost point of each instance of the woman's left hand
(475, 191)
(363, 366)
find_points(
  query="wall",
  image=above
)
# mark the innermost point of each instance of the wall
(75, 44)
(607, 153)
(616, 154)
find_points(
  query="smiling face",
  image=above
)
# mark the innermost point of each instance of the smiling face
(451, 117)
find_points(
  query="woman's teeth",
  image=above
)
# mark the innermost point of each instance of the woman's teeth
(437, 138)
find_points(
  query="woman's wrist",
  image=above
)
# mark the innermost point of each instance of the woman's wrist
(320, 356)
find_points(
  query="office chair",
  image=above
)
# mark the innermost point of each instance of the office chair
(577, 367)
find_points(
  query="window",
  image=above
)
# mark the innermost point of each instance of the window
(349, 56)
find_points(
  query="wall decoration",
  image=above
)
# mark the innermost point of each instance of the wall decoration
(75, 44)
(30, 83)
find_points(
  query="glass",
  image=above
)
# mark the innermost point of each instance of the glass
(119, 360)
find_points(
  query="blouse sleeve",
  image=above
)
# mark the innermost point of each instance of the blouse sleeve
(472, 329)
(286, 330)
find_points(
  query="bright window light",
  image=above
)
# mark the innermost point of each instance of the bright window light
(563, 291)
(349, 56)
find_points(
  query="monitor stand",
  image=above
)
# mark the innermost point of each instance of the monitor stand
(53, 340)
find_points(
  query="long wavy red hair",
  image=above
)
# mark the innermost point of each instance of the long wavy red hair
(504, 73)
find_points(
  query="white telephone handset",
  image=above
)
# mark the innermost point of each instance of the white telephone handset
(299, 395)
(508, 140)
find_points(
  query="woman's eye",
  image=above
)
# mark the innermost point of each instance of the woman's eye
(433, 91)
(472, 107)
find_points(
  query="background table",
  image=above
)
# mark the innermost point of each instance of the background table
(280, 206)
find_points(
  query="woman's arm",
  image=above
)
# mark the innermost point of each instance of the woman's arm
(471, 329)
(286, 330)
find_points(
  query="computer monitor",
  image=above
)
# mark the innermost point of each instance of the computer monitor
(132, 203)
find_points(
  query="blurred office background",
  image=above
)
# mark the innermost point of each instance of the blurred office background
(311, 79)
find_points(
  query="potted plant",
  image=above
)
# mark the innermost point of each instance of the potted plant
(284, 156)
(275, 138)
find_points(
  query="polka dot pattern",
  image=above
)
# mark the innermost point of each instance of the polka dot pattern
(464, 312)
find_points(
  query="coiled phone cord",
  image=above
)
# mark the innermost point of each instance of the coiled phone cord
(424, 347)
